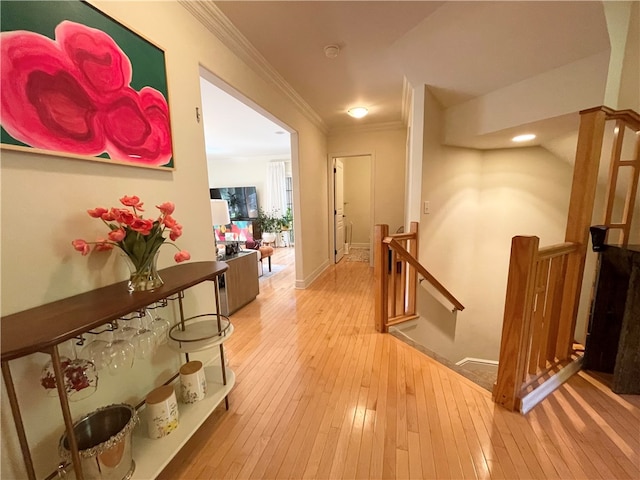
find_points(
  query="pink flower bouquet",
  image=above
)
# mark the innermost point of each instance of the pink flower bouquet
(139, 238)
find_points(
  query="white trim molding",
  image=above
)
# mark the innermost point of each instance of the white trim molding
(302, 284)
(547, 388)
(476, 361)
(370, 127)
(217, 23)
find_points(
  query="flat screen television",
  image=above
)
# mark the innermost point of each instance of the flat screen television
(243, 201)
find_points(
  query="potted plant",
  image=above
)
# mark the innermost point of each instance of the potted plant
(286, 221)
(269, 225)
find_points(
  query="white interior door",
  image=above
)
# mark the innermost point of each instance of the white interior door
(338, 209)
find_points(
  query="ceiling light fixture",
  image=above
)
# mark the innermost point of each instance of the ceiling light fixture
(357, 112)
(523, 138)
(331, 51)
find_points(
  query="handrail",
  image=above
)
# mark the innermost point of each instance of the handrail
(407, 257)
(557, 250)
(629, 116)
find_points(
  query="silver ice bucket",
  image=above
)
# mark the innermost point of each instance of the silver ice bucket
(104, 443)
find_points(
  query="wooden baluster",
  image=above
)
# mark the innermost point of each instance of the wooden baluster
(537, 323)
(413, 273)
(380, 268)
(517, 317)
(393, 284)
(552, 311)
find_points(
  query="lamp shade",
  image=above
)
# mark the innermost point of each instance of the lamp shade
(220, 212)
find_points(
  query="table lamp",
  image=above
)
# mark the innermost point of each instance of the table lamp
(219, 216)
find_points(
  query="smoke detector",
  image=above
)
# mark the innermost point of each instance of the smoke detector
(331, 51)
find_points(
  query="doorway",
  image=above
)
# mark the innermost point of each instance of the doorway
(352, 208)
(243, 145)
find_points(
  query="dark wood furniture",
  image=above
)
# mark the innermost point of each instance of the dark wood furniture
(613, 340)
(241, 284)
(43, 328)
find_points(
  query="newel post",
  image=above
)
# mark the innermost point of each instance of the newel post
(380, 261)
(517, 320)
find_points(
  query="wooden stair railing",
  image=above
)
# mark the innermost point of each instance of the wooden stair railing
(544, 285)
(531, 348)
(396, 269)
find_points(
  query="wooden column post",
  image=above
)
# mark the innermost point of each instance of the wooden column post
(517, 319)
(583, 192)
(380, 262)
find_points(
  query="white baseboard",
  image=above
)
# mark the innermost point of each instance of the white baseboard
(302, 284)
(543, 391)
(477, 361)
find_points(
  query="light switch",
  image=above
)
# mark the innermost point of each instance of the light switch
(425, 207)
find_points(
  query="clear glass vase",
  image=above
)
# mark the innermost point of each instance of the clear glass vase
(144, 277)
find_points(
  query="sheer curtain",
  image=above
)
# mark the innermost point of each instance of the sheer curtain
(276, 189)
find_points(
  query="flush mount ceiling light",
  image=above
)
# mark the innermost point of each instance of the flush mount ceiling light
(331, 51)
(523, 138)
(357, 112)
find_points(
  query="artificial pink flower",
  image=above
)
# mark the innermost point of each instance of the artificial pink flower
(103, 245)
(117, 235)
(110, 215)
(181, 256)
(124, 216)
(166, 208)
(176, 232)
(81, 246)
(169, 221)
(142, 225)
(132, 201)
(97, 212)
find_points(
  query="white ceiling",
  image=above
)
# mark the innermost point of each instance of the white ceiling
(461, 50)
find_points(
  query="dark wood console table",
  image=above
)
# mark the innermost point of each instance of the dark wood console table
(43, 328)
(613, 340)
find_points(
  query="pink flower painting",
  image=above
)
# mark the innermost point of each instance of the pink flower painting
(73, 95)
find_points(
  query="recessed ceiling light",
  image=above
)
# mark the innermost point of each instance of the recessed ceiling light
(523, 138)
(357, 112)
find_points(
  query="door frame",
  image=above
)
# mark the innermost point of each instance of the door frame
(331, 197)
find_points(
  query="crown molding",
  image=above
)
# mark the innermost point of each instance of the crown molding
(369, 127)
(217, 23)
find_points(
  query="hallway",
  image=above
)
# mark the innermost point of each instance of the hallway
(320, 394)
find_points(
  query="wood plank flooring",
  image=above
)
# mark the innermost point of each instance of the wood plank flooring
(320, 394)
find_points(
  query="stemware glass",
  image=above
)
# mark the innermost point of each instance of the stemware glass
(121, 353)
(145, 340)
(96, 351)
(127, 326)
(80, 376)
(159, 325)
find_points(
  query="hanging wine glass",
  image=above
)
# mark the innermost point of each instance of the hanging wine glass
(145, 340)
(96, 351)
(121, 353)
(80, 376)
(127, 327)
(160, 326)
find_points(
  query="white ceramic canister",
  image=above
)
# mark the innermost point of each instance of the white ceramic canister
(161, 411)
(193, 383)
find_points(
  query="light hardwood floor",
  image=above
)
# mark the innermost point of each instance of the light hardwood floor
(320, 394)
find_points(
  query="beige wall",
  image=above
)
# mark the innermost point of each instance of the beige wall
(44, 200)
(357, 199)
(387, 148)
(478, 202)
